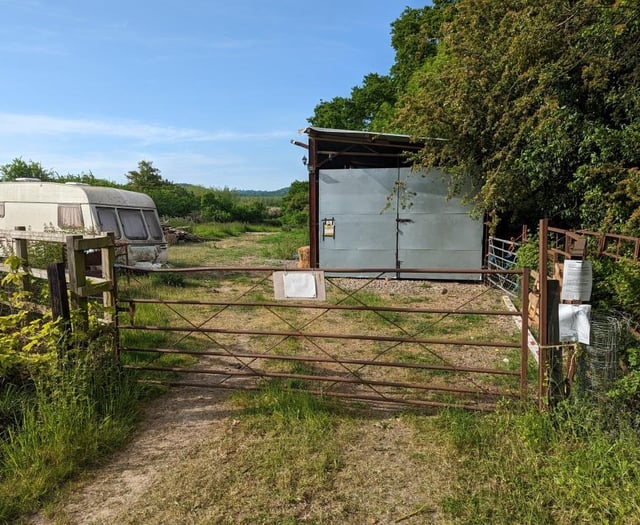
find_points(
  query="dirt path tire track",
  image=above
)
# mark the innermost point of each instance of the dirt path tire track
(174, 424)
(386, 474)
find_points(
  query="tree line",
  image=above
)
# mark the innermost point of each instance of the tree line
(197, 203)
(538, 104)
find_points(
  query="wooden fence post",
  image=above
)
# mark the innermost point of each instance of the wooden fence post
(108, 260)
(109, 298)
(555, 374)
(20, 247)
(77, 280)
(60, 301)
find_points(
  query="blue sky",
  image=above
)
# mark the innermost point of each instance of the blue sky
(211, 92)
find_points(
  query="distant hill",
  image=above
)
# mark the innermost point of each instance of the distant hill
(262, 193)
(245, 193)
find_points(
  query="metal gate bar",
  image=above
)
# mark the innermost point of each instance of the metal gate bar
(249, 355)
(378, 386)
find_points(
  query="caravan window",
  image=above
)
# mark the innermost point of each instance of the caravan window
(1, 209)
(70, 216)
(133, 224)
(152, 223)
(108, 221)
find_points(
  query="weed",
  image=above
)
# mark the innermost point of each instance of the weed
(75, 416)
(168, 279)
(572, 465)
(283, 245)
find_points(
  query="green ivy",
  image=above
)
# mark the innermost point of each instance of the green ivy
(28, 342)
(528, 254)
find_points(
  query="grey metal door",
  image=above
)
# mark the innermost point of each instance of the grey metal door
(364, 234)
(393, 218)
(435, 231)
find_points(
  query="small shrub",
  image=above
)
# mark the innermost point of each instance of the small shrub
(174, 279)
(283, 245)
(528, 254)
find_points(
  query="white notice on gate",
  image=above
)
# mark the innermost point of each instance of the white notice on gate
(300, 285)
(577, 280)
(575, 322)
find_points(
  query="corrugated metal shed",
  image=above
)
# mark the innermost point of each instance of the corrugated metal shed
(357, 217)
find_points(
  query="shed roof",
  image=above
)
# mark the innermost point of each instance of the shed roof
(340, 148)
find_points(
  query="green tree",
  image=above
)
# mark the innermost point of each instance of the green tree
(415, 36)
(145, 177)
(86, 178)
(252, 211)
(295, 204)
(18, 168)
(335, 113)
(371, 105)
(219, 205)
(357, 112)
(538, 106)
(172, 200)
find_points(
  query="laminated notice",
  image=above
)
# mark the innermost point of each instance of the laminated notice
(299, 285)
(575, 324)
(577, 280)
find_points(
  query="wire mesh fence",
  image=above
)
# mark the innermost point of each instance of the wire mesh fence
(597, 366)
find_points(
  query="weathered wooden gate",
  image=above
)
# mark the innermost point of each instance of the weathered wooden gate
(406, 342)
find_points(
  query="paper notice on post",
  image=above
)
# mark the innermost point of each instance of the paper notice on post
(575, 322)
(300, 285)
(577, 280)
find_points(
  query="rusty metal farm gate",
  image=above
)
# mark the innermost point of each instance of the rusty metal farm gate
(377, 340)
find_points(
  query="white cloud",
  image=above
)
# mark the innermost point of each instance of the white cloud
(12, 124)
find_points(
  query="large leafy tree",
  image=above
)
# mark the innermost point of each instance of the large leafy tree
(172, 200)
(538, 105)
(19, 168)
(146, 177)
(370, 105)
(295, 204)
(374, 97)
(219, 205)
(415, 36)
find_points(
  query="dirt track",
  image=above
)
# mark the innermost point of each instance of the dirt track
(387, 475)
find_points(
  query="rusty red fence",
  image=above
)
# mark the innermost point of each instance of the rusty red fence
(380, 340)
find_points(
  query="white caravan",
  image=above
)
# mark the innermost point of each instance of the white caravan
(76, 207)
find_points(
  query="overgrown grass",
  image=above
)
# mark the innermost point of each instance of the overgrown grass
(69, 420)
(283, 245)
(215, 231)
(221, 230)
(299, 449)
(274, 245)
(576, 464)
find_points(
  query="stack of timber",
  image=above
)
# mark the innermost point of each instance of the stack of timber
(177, 235)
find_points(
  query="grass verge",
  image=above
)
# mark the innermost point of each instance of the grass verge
(67, 421)
(576, 464)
